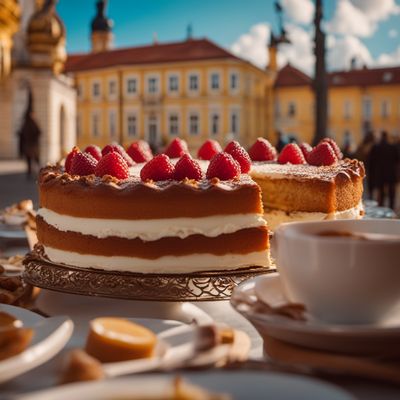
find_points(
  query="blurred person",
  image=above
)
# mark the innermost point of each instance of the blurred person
(383, 160)
(281, 141)
(363, 153)
(347, 148)
(29, 136)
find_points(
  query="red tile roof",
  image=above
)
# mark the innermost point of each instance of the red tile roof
(189, 50)
(291, 76)
(365, 77)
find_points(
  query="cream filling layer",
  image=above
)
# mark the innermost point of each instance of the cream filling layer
(153, 229)
(277, 217)
(165, 265)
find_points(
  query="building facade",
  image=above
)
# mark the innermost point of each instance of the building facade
(193, 89)
(359, 101)
(32, 56)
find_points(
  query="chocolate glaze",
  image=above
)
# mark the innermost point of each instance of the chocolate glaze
(107, 197)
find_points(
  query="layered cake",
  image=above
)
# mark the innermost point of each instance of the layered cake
(163, 218)
(306, 184)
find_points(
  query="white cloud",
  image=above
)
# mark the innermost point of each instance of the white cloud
(344, 49)
(377, 10)
(299, 11)
(350, 20)
(300, 51)
(252, 46)
(392, 33)
(389, 59)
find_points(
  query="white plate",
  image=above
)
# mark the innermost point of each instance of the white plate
(352, 339)
(50, 336)
(240, 385)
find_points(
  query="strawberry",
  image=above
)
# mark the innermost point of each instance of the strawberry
(305, 149)
(186, 167)
(94, 151)
(322, 154)
(140, 151)
(69, 158)
(224, 167)
(160, 168)
(262, 150)
(120, 150)
(112, 164)
(177, 148)
(240, 155)
(334, 146)
(209, 149)
(83, 164)
(292, 154)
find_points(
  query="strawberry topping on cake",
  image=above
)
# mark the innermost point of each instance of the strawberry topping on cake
(112, 164)
(159, 168)
(240, 155)
(140, 151)
(334, 146)
(292, 154)
(209, 149)
(224, 167)
(188, 168)
(177, 148)
(114, 147)
(94, 151)
(83, 164)
(322, 154)
(262, 150)
(68, 160)
(305, 149)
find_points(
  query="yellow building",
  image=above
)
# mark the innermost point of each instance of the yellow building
(193, 89)
(359, 100)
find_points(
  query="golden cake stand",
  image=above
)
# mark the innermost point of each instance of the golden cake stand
(201, 286)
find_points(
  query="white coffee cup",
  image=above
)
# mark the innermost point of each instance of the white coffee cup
(340, 279)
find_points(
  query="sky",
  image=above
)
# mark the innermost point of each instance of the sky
(368, 30)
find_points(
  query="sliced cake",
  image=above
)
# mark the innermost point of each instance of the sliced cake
(170, 219)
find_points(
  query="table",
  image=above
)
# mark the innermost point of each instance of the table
(81, 309)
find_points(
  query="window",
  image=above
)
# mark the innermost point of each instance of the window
(96, 89)
(234, 81)
(112, 88)
(234, 122)
(173, 124)
(152, 85)
(367, 108)
(214, 124)
(173, 83)
(131, 85)
(112, 123)
(385, 109)
(347, 109)
(193, 83)
(291, 109)
(132, 124)
(214, 81)
(95, 124)
(194, 124)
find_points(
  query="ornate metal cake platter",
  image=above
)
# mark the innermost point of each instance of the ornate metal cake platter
(201, 286)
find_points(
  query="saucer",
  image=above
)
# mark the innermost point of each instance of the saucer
(50, 337)
(380, 339)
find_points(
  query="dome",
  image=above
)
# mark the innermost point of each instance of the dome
(100, 22)
(46, 37)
